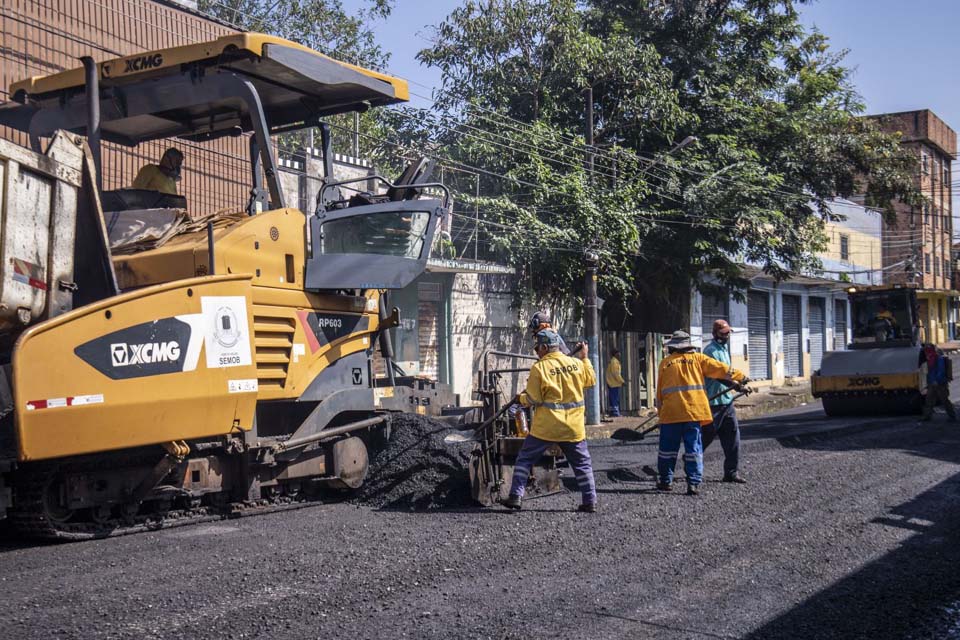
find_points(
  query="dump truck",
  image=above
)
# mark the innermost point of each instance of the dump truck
(878, 373)
(206, 370)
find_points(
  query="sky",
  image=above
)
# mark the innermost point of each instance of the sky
(903, 52)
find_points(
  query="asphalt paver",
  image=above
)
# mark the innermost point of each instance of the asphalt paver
(846, 529)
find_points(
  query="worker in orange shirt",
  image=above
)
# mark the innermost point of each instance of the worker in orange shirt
(683, 408)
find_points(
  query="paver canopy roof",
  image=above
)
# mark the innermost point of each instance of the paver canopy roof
(182, 91)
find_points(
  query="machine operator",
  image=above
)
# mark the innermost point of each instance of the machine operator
(161, 177)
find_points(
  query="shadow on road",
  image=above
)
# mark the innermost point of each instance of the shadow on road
(905, 594)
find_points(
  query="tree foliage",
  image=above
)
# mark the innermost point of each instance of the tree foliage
(777, 122)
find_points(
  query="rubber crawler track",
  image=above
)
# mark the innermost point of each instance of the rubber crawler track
(29, 520)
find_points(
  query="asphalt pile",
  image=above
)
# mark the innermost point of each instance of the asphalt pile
(416, 469)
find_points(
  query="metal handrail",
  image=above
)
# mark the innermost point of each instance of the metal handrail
(417, 185)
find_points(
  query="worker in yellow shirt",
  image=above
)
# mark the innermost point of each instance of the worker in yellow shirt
(555, 391)
(161, 177)
(683, 408)
(614, 381)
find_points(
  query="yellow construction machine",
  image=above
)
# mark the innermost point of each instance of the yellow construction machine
(879, 373)
(230, 368)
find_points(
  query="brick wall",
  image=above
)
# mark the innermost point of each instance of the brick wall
(923, 233)
(40, 37)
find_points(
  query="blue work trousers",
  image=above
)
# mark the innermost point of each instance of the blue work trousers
(670, 436)
(728, 428)
(613, 395)
(577, 455)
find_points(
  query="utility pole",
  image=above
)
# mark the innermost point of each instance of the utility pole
(591, 328)
(588, 118)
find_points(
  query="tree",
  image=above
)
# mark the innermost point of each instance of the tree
(776, 118)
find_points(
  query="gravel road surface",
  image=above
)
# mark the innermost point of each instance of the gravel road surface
(847, 529)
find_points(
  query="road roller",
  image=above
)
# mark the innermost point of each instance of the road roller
(878, 373)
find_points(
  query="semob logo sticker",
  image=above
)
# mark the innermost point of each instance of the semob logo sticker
(123, 355)
(227, 340)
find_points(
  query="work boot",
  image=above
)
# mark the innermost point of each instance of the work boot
(693, 489)
(664, 486)
(734, 477)
(512, 502)
(588, 507)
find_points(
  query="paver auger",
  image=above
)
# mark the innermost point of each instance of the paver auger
(497, 430)
(231, 368)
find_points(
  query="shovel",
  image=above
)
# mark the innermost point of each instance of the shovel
(634, 434)
(473, 435)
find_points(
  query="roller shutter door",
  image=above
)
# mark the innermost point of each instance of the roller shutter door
(791, 336)
(428, 322)
(818, 326)
(711, 309)
(839, 325)
(758, 334)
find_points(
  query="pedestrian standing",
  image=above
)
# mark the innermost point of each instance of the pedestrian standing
(683, 408)
(725, 424)
(555, 390)
(614, 381)
(939, 376)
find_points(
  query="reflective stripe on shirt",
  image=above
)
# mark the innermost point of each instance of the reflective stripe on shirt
(689, 387)
(565, 405)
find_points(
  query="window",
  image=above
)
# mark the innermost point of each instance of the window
(844, 247)
(936, 268)
(936, 216)
(946, 172)
(926, 213)
(925, 162)
(926, 263)
(400, 234)
(946, 268)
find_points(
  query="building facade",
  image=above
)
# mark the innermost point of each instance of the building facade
(780, 329)
(854, 250)
(918, 242)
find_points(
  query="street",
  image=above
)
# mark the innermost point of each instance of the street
(847, 529)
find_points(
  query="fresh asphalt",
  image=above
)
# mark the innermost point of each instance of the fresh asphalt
(847, 529)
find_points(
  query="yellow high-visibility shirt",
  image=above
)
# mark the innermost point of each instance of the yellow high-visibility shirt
(614, 379)
(680, 386)
(150, 177)
(555, 391)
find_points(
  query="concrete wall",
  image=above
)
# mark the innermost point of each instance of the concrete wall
(482, 319)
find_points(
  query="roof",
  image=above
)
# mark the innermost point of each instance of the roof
(159, 94)
(751, 272)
